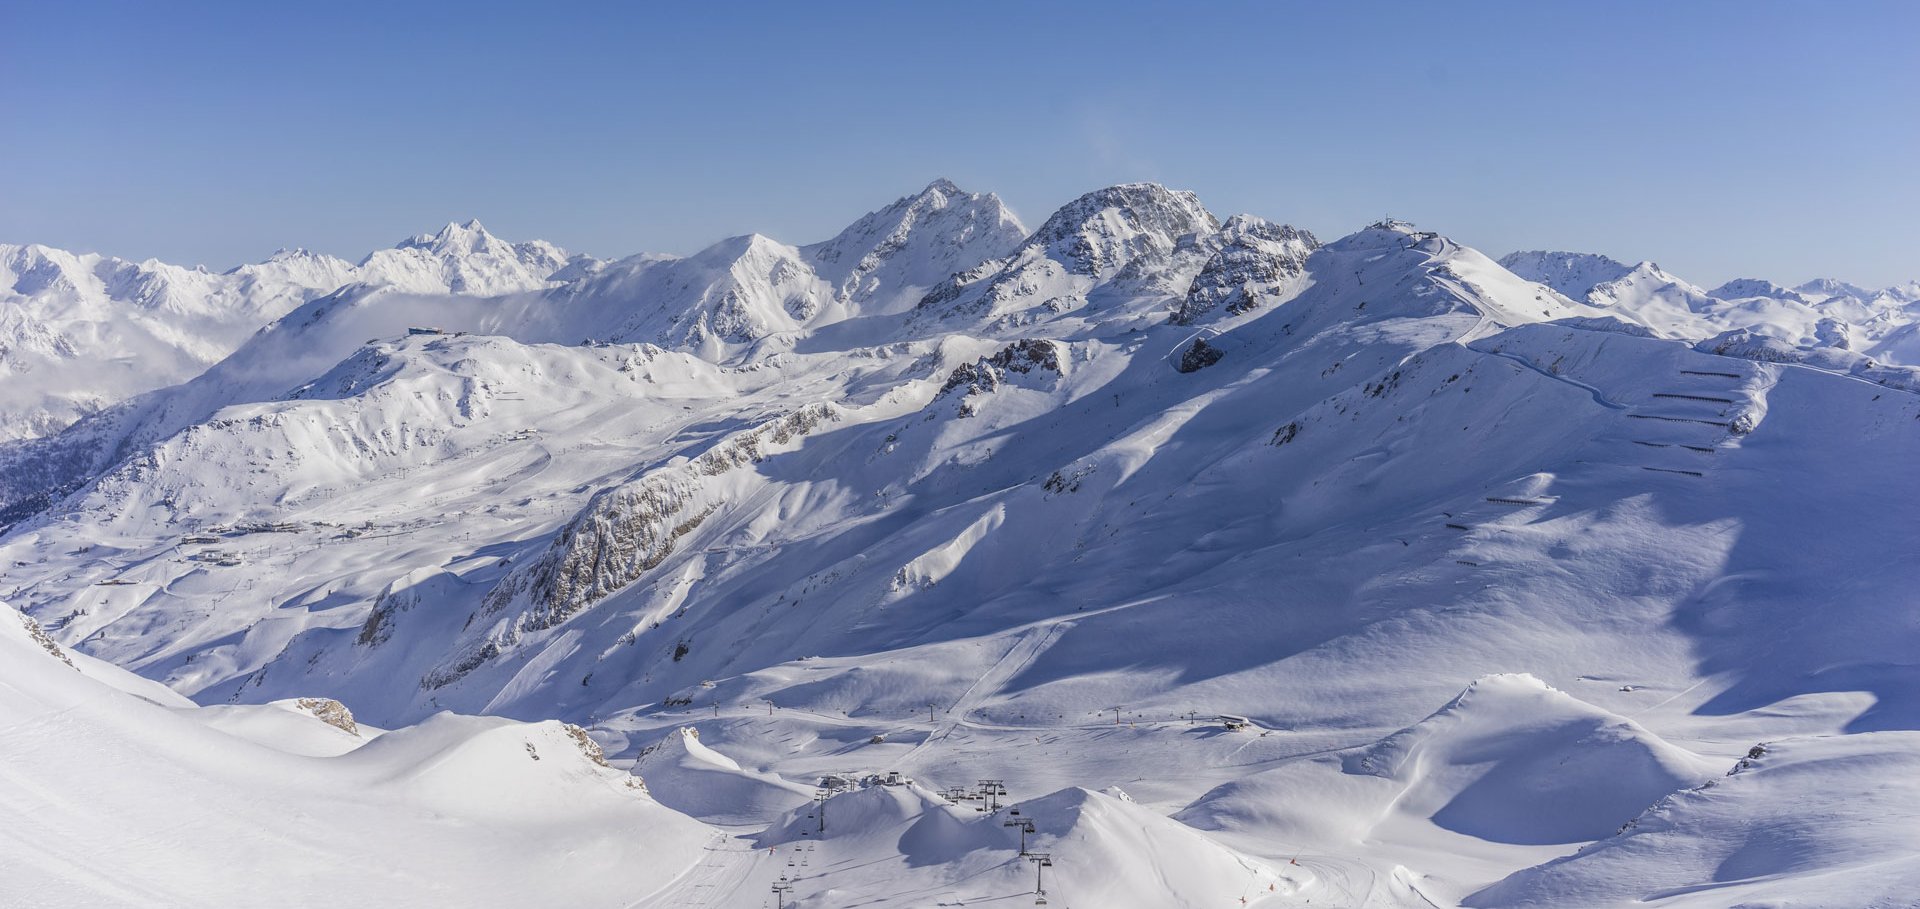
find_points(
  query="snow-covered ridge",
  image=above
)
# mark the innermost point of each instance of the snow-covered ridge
(1879, 325)
(81, 332)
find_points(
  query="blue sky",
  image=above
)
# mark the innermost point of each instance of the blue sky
(1721, 139)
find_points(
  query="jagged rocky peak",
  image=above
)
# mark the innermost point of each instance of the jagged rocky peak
(455, 239)
(472, 239)
(1254, 260)
(1748, 288)
(1139, 236)
(464, 258)
(734, 292)
(1107, 228)
(916, 242)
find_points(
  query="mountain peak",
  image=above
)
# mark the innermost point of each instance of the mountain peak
(916, 242)
(455, 237)
(292, 254)
(1749, 288)
(1833, 287)
(1109, 227)
(464, 258)
(942, 186)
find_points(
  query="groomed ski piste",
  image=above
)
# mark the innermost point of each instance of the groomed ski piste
(1143, 559)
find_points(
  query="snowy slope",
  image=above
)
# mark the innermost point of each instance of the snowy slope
(1819, 821)
(1101, 849)
(1038, 523)
(112, 800)
(1510, 761)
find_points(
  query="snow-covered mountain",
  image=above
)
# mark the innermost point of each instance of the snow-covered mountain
(939, 498)
(82, 332)
(891, 256)
(1827, 322)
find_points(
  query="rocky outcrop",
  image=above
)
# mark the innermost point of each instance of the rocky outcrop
(1199, 355)
(984, 376)
(622, 533)
(330, 712)
(46, 642)
(1255, 260)
(588, 746)
(1107, 228)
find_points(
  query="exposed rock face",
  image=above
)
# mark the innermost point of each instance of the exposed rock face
(39, 636)
(1095, 237)
(630, 529)
(753, 445)
(1107, 228)
(330, 712)
(588, 746)
(623, 532)
(1256, 259)
(1198, 356)
(984, 375)
(403, 594)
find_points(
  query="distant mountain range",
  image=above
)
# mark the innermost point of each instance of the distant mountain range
(1504, 564)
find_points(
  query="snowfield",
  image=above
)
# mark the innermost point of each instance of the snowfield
(1249, 568)
(117, 797)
